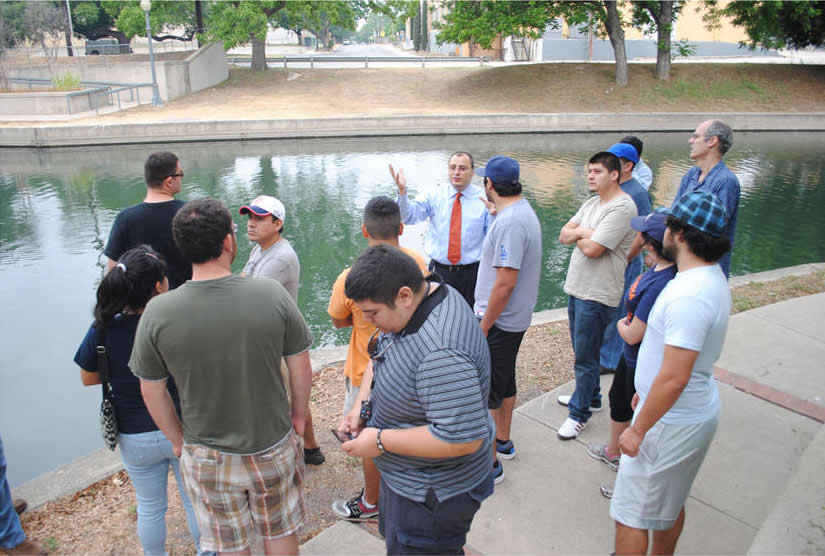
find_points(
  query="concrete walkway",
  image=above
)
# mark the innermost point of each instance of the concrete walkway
(760, 491)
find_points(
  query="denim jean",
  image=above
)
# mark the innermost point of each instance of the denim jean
(11, 532)
(147, 457)
(587, 320)
(612, 343)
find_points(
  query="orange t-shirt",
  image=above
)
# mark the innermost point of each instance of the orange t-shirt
(342, 307)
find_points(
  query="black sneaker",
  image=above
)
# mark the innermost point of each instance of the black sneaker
(314, 456)
(355, 509)
(605, 371)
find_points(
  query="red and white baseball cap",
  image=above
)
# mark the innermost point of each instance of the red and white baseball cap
(264, 205)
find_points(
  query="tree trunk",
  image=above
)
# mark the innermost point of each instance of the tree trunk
(198, 17)
(69, 49)
(615, 32)
(258, 53)
(664, 26)
(300, 34)
(425, 35)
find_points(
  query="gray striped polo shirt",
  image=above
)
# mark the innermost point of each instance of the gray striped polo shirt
(435, 373)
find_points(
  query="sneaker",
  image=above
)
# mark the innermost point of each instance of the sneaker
(564, 400)
(606, 370)
(505, 450)
(20, 505)
(570, 429)
(314, 456)
(498, 472)
(599, 452)
(354, 509)
(607, 491)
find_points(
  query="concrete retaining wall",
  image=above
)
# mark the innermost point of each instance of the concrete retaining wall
(47, 103)
(188, 131)
(576, 49)
(205, 67)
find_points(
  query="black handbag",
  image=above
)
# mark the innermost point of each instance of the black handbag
(108, 417)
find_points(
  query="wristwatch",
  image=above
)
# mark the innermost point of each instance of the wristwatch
(378, 440)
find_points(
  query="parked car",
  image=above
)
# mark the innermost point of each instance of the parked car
(107, 46)
(347, 41)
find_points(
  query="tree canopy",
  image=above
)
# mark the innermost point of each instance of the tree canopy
(780, 24)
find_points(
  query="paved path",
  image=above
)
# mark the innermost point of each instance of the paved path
(761, 488)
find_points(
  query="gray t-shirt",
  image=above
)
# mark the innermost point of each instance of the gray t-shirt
(278, 262)
(513, 241)
(222, 340)
(602, 279)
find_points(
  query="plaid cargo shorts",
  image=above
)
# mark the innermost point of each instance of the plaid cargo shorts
(229, 492)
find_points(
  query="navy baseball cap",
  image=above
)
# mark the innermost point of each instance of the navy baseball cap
(653, 224)
(701, 210)
(500, 169)
(625, 150)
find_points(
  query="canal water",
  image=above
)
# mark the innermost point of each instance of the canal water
(57, 207)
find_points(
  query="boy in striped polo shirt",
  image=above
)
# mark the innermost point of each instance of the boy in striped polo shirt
(428, 430)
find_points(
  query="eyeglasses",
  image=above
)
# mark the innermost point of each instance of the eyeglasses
(372, 347)
(180, 175)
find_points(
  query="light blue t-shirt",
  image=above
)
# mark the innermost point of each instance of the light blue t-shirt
(514, 241)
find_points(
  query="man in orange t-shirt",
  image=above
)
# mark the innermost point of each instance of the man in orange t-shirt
(382, 224)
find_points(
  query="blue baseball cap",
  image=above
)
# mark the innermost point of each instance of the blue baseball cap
(500, 169)
(625, 150)
(701, 210)
(653, 224)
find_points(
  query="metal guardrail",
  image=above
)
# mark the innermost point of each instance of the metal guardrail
(100, 88)
(365, 59)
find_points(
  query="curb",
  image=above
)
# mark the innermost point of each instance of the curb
(179, 131)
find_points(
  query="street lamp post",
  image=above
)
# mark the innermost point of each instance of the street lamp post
(146, 6)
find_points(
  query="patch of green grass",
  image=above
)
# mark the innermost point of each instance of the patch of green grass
(50, 544)
(132, 511)
(695, 90)
(66, 82)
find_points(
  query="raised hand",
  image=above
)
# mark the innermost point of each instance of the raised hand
(400, 180)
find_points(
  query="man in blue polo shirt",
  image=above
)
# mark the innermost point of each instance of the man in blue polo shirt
(458, 221)
(708, 144)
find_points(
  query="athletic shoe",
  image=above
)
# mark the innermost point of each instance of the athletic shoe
(570, 429)
(564, 400)
(599, 452)
(607, 491)
(354, 509)
(606, 370)
(314, 456)
(498, 472)
(20, 505)
(505, 450)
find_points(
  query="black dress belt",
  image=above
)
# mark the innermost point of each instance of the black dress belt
(453, 267)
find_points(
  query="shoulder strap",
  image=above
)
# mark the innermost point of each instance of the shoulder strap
(103, 362)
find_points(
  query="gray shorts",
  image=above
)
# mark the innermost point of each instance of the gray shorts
(652, 487)
(352, 395)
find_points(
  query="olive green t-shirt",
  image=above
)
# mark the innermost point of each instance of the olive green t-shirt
(222, 340)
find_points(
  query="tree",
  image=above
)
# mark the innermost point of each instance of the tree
(779, 24)
(416, 30)
(424, 38)
(658, 15)
(11, 27)
(484, 20)
(236, 22)
(129, 18)
(43, 23)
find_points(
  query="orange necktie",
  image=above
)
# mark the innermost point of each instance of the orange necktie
(454, 246)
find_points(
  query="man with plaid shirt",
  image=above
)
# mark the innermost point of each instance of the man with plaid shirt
(677, 407)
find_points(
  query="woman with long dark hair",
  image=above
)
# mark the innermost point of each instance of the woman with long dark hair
(140, 274)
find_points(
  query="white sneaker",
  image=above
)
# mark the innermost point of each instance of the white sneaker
(564, 400)
(570, 429)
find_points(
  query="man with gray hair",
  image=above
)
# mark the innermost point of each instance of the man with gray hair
(708, 144)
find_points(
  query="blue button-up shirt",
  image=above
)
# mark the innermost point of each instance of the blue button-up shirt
(724, 184)
(437, 206)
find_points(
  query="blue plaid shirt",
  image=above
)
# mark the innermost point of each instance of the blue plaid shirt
(724, 184)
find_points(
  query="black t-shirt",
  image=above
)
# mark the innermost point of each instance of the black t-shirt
(132, 415)
(150, 223)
